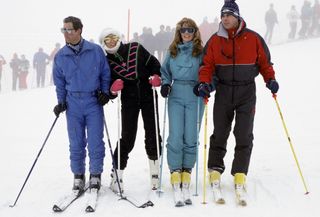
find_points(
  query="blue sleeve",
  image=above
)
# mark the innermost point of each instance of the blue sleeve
(59, 81)
(166, 75)
(105, 74)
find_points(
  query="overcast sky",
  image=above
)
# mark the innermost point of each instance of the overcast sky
(27, 25)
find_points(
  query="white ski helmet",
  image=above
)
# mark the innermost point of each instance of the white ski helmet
(104, 34)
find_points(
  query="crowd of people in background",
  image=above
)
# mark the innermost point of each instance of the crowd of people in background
(308, 18)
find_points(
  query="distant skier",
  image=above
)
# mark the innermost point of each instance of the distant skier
(293, 17)
(40, 62)
(2, 62)
(24, 71)
(270, 19)
(15, 67)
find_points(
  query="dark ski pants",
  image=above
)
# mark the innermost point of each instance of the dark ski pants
(130, 110)
(243, 111)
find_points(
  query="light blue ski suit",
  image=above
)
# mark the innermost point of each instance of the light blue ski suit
(77, 77)
(182, 73)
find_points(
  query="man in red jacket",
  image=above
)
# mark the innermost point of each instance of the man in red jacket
(233, 57)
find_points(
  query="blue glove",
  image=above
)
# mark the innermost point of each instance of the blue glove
(273, 86)
(203, 89)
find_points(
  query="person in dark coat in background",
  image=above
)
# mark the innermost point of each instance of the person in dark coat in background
(270, 19)
(234, 70)
(2, 62)
(15, 66)
(135, 72)
(40, 62)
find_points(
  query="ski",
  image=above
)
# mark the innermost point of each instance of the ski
(217, 194)
(67, 200)
(241, 196)
(186, 194)
(177, 196)
(133, 201)
(92, 199)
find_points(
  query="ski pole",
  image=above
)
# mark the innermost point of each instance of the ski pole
(112, 156)
(205, 149)
(35, 161)
(291, 146)
(163, 140)
(119, 127)
(156, 123)
(197, 150)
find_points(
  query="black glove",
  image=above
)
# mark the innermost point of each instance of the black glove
(273, 86)
(203, 89)
(61, 107)
(165, 90)
(103, 98)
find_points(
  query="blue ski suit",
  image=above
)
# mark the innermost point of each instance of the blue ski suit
(77, 77)
(182, 73)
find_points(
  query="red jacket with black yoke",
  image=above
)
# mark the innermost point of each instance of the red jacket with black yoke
(236, 58)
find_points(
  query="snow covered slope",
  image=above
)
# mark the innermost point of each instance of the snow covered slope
(274, 185)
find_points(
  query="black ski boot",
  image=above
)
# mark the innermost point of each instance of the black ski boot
(79, 183)
(95, 181)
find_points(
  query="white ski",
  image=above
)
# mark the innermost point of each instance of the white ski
(177, 196)
(92, 198)
(186, 194)
(217, 194)
(67, 200)
(241, 196)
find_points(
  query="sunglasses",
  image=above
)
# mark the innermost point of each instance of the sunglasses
(65, 30)
(111, 38)
(189, 30)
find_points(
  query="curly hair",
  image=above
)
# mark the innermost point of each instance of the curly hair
(197, 42)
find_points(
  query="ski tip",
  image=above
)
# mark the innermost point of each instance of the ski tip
(179, 204)
(220, 201)
(242, 203)
(55, 208)
(188, 201)
(89, 209)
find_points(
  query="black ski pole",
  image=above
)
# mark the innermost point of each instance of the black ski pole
(35, 161)
(146, 204)
(112, 157)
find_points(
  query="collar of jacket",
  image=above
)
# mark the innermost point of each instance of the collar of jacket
(222, 32)
(185, 47)
(85, 46)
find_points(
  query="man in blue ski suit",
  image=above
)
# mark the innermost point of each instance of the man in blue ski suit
(82, 76)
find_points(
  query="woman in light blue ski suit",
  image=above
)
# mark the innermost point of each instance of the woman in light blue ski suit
(179, 74)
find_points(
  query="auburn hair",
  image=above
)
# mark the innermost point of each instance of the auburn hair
(197, 42)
